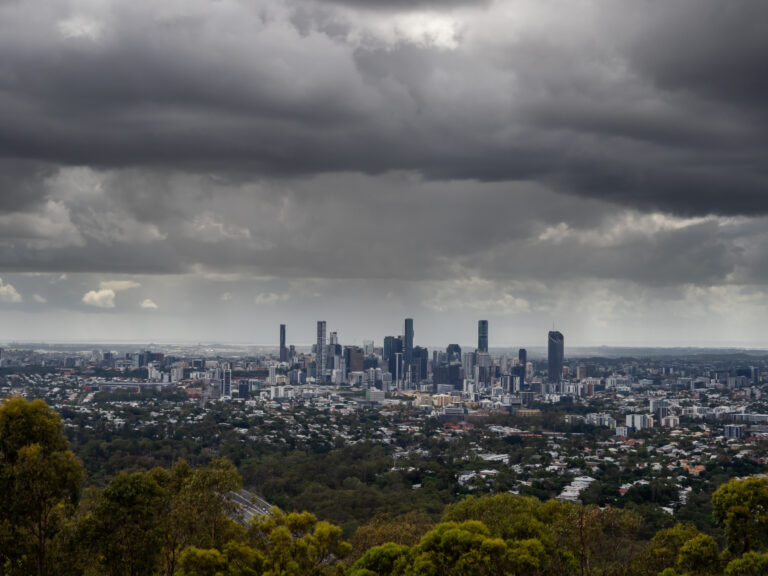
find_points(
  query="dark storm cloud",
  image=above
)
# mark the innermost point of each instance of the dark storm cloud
(716, 49)
(394, 227)
(21, 183)
(661, 119)
(503, 142)
(405, 4)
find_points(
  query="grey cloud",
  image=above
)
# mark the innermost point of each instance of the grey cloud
(328, 154)
(407, 4)
(397, 226)
(22, 183)
(713, 48)
(273, 98)
(697, 254)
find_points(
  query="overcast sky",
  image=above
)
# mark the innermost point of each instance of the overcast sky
(205, 170)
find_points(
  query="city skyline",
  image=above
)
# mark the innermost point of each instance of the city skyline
(518, 162)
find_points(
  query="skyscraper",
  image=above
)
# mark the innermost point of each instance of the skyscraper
(408, 342)
(392, 346)
(522, 358)
(420, 364)
(555, 356)
(468, 364)
(321, 356)
(283, 349)
(353, 356)
(226, 383)
(453, 352)
(482, 336)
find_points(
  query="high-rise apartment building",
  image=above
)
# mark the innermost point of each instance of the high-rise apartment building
(482, 336)
(555, 356)
(321, 354)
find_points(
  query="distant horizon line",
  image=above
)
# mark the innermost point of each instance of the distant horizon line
(242, 344)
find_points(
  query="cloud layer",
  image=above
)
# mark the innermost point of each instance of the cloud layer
(503, 154)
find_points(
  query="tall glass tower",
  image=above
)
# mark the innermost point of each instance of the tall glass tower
(482, 336)
(321, 356)
(555, 349)
(408, 342)
(283, 349)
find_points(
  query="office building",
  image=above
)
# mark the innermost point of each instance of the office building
(482, 336)
(453, 353)
(353, 357)
(321, 355)
(468, 364)
(283, 349)
(392, 347)
(226, 383)
(408, 342)
(555, 356)
(419, 365)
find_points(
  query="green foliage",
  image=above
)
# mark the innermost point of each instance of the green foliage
(602, 541)
(40, 480)
(206, 494)
(506, 515)
(406, 529)
(125, 527)
(469, 549)
(574, 537)
(741, 507)
(664, 548)
(750, 564)
(197, 562)
(385, 560)
(699, 555)
(180, 520)
(23, 423)
(236, 559)
(350, 485)
(297, 544)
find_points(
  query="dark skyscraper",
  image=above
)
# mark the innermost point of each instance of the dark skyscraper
(283, 349)
(226, 383)
(555, 356)
(522, 357)
(482, 336)
(354, 357)
(392, 347)
(419, 365)
(321, 355)
(408, 342)
(453, 352)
